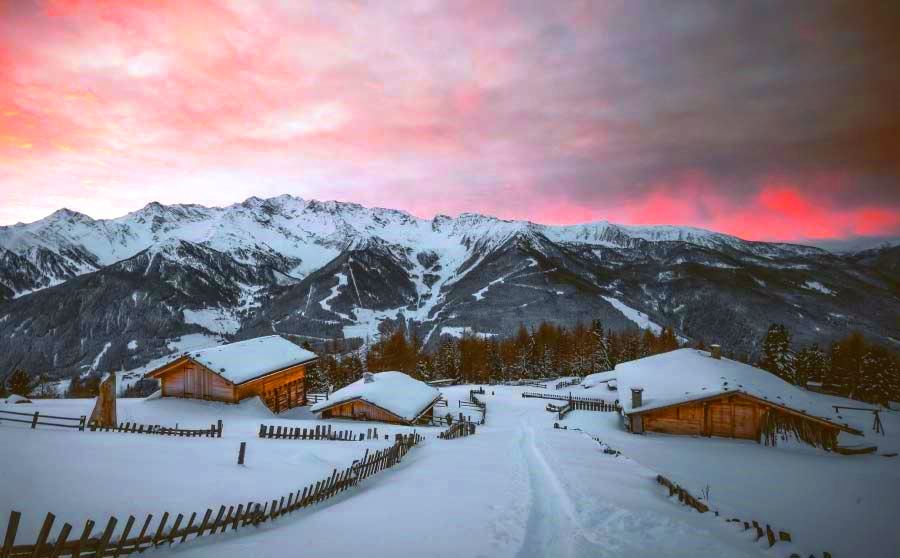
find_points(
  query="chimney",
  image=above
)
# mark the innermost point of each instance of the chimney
(368, 378)
(637, 397)
(715, 351)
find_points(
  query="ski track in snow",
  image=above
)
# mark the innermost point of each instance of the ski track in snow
(550, 508)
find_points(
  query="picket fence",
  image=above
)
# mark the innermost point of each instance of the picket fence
(320, 432)
(599, 406)
(214, 430)
(687, 499)
(569, 383)
(458, 430)
(87, 546)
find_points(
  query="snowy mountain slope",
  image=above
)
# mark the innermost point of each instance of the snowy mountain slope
(320, 270)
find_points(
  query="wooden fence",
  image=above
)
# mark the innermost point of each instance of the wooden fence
(313, 398)
(569, 383)
(569, 397)
(687, 499)
(458, 430)
(481, 405)
(36, 418)
(87, 546)
(599, 406)
(214, 430)
(320, 432)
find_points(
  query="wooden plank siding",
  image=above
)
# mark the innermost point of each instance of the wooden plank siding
(189, 379)
(279, 390)
(731, 416)
(362, 410)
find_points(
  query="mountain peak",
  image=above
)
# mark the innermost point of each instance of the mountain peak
(66, 214)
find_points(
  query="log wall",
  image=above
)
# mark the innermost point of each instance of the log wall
(281, 391)
(729, 417)
(361, 410)
(191, 380)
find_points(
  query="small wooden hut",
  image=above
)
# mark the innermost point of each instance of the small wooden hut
(270, 367)
(691, 392)
(391, 397)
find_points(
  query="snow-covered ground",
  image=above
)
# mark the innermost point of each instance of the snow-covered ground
(518, 488)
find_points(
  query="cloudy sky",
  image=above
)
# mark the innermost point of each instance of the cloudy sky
(769, 120)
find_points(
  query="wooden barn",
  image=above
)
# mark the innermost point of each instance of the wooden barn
(695, 393)
(391, 397)
(271, 367)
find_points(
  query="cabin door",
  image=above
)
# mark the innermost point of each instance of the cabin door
(744, 422)
(720, 419)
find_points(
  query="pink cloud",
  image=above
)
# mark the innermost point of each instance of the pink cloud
(107, 105)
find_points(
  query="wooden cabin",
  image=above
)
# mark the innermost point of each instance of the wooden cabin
(694, 393)
(272, 368)
(391, 397)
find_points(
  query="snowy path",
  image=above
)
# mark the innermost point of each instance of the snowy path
(517, 489)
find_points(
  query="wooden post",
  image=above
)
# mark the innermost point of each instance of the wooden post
(124, 537)
(219, 428)
(159, 530)
(187, 529)
(10, 537)
(107, 534)
(104, 413)
(241, 453)
(42, 536)
(34, 420)
(61, 540)
(85, 536)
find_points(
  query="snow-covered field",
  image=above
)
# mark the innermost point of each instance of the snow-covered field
(518, 488)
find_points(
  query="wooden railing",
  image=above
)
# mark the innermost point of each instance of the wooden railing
(214, 430)
(569, 383)
(561, 397)
(687, 499)
(36, 418)
(458, 430)
(575, 405)
(103, 544)
(320, 432)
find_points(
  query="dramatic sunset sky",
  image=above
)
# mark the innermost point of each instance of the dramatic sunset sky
(768, 120)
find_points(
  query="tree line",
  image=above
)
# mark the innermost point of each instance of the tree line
(851, 367)
(548, 350)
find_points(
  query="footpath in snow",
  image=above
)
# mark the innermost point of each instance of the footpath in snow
(518, 488)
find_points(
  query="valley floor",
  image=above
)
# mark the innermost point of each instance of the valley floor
(518, 488)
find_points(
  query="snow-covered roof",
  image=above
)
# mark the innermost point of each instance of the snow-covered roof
(247, 360)
(688, 374)
(598, 378)
(392, 391)
(15, 399)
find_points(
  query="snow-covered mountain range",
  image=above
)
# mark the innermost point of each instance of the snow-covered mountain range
(80, 293)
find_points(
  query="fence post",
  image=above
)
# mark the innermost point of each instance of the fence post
(219, 429)
(11, 529)
(241, 453)
(34, 420)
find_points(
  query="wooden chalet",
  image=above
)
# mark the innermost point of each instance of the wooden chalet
(691, 392)
(391, 397)
(270, 367)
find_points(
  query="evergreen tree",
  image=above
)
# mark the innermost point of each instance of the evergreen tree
(879, 380)
(600, 360)
(811, 365)
(847, 363)
(19, 383)
(777, 355)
